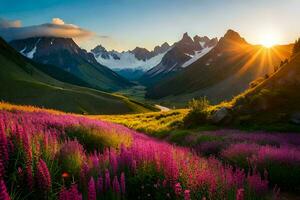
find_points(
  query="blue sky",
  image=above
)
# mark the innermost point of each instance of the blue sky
(130, 23)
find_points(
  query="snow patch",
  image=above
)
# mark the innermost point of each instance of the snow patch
(129, 61)
(202, 44)
(31, 53)
(196, 56)
(22, 51)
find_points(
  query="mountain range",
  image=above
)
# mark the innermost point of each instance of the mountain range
(25, 82)
(225, 71)
(150, 66)
(190, 68)
(66, 54)
(130, 64)
(182, 54)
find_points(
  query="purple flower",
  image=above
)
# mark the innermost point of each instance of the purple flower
(71, 194)
(91, 190)
(29, 177)
(43, 176)
(3, 146)
(107, 180)
(123, 184)
(116, 185)
(240, 194)
(100, 185)
(3, 191)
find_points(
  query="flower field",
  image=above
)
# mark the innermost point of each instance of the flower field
(50, 156)
(277, 154)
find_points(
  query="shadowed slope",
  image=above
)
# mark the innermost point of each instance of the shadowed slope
(22, 82)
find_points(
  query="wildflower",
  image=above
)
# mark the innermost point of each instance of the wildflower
(123, 187)
(91, 190)
(2, 170)
(100, 185)
(43, 176)
(29, 177)
(178, 189)
(240, 194)
(187, 195)
(116, 185)
(3, 191)
(65, 175)
(107, 180)
(71, 194)
(3, 146)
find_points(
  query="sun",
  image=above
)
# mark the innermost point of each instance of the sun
(268, 40)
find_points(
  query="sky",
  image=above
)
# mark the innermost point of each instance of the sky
(125, 24)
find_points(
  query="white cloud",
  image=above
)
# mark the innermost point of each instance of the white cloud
(58, 21)
(12, 30)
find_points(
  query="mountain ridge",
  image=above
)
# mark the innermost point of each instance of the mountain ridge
(66, 54)
(23, 82)
(174, 60)
(222, 73)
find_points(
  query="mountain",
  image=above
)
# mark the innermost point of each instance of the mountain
(130, 64)
(27, 83)
(223, 72)
(182, 54)
(274, 100)
(66, 54)
(136, 58)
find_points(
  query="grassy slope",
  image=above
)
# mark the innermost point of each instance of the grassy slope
(22, 83)
(272, 103)
(153, 123)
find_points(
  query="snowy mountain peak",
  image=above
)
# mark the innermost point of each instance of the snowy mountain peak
(182, 54)
(138, 58)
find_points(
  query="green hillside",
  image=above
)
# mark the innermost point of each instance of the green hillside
(276, 100)
(22, 83)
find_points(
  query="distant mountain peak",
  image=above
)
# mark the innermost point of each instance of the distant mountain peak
(186, 38)
(234, 36)
(98, 48)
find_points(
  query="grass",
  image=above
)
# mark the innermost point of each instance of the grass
(153, 123)
(21, 82)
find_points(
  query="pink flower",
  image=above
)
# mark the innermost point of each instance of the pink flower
(71, 194)
(3, 146)
(107, 180)
(91, 190)
(3, 191)
(29, 177)
(123, 184)
(240, 194)
(187, 195)
(178, 189)
(116, 185)
(43, 176)
(100, 185)
(2, 170)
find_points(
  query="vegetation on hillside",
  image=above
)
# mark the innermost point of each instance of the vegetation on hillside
(153, 123)
(23, 83)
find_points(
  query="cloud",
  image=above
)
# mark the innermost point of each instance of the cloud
(8, 24)
(58, 21)
(12, 30)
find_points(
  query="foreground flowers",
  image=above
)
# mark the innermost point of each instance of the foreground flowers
(68, 157)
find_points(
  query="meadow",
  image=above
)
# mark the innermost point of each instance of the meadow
(275, 154)
(61, 156)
